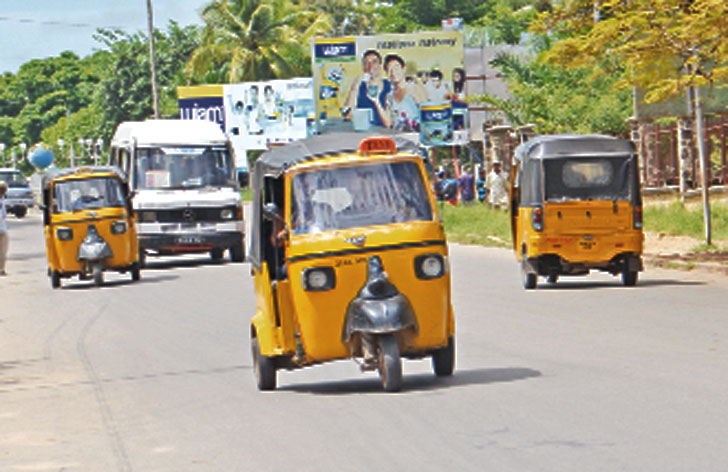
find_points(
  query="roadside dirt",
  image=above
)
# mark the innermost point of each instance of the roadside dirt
(678, 252)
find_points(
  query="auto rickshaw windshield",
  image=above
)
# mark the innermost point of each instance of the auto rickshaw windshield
(76, 195)
(589, 178)
(365, 195)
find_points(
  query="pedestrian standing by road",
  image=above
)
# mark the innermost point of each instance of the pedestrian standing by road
(496, 185)
(466, 183)
(3, 228)
(480, 185)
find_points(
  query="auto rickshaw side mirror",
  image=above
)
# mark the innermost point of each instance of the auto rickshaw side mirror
(272, 213)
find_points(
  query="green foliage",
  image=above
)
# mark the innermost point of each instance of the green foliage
(678, 220)
(560, 100)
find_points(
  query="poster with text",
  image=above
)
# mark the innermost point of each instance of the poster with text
(368, 82)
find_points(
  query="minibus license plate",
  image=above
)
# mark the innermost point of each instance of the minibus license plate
(189, 240)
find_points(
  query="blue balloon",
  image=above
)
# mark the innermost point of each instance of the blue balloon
(41, 158)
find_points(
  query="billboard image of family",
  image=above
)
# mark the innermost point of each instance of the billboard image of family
(411, 83)
(256, 115)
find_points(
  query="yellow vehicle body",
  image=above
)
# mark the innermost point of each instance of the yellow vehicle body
(569, 223)
(67, 224)
(295, 326)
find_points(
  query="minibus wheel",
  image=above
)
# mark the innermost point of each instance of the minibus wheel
(216, 254)
(237, 253)
(390, 364)
(265, 369)
(553, 278)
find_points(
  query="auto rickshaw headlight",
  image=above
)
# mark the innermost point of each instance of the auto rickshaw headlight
(318, 279)
(64, 234)
(118, 227)
(429, 266)
(227, 214)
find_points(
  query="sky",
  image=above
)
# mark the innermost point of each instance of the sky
(36, 29)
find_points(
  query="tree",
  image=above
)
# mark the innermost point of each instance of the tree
(665, 46)
(253, 40)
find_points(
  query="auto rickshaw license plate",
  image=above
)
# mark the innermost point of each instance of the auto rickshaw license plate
(587, 245)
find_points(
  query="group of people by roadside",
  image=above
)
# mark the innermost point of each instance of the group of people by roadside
(491, 189)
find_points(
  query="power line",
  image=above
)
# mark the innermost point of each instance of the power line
(63, 24)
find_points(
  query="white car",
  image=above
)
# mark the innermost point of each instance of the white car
(20, 196)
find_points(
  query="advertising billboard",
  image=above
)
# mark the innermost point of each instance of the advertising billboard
(364, 82)
(256, 115)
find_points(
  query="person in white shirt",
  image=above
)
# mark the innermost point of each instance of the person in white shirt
(3, 228)
(495, 182)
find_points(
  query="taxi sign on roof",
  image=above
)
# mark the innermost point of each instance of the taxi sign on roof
(377, 145)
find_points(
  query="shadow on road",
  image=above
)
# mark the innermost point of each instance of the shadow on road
(76, 284)
(593, 285)
(418, 382)
(176, 263)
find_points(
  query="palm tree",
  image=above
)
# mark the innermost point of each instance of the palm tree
(248, 40)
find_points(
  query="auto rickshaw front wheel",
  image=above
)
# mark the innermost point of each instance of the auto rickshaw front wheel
(390, 364)
(98, 274)
(265, 369)
(443, 360)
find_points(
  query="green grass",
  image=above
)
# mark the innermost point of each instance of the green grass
(476, 224)
(247, 194)
(677, 220)
(479, 224)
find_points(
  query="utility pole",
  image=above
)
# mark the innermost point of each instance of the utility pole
(152, 66)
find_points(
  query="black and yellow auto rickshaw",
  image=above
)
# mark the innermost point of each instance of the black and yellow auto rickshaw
(576, 206)
(349, 259)
(89, 224)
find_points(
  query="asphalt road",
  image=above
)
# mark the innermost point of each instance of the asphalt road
(585, 375)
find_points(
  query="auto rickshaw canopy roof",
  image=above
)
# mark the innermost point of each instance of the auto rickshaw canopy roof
(81, 172)
(573, 145)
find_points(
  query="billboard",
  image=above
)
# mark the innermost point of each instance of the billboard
(255, 115)
(365, 82)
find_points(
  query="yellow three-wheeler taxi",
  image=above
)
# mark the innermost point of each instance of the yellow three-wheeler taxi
(349, 259)
(89, 224)
(576, 206)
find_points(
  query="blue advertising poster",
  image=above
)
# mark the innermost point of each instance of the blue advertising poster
(203, 102)
(437, 124)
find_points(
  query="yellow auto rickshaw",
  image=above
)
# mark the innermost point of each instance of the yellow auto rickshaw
(349, 259)
(89, 224)
(575, 207)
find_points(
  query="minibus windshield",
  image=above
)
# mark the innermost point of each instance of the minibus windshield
(182, 167)
(588, 178)
(366, 195)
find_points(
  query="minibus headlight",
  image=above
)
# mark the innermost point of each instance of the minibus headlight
(148, 216)
(64, 234)
(429, 266)
(318, 279)
(227, 214)
(118, 227)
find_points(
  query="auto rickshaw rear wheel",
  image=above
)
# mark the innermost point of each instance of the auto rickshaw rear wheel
(390, 364)
(265, 369)
(55, 279)
(136, 272)
(98, 274)
(629, 278)
(529, 278)
(443, 359)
